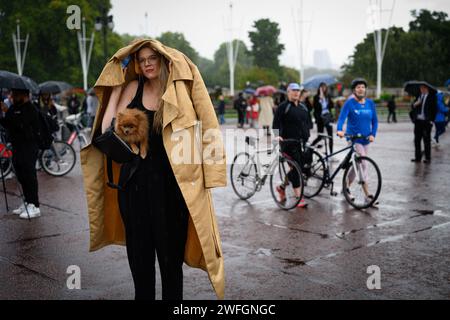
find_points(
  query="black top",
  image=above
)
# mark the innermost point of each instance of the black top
(429, 108)
(22, 123)
(318, 106)
(156, 155)
(295, 123)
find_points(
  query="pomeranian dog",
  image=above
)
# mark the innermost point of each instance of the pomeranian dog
(132, 126)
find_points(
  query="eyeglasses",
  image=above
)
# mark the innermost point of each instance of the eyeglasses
(153, 59)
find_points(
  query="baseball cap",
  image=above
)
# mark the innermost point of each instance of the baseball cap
(293, 86)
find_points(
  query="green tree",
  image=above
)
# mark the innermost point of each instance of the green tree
(53, 52)
(266, 47)
(421, 53)
(178, 41)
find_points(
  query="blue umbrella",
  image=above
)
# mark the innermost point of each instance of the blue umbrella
(447, 83)
(249, 91)
(314, 81)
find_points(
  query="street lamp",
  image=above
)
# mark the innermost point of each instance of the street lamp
(104, 22)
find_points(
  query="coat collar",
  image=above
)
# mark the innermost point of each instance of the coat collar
(179, 68)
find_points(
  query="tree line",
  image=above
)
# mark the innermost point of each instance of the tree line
(422, 52)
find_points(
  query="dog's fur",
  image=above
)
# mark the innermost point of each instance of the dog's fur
(132, 126)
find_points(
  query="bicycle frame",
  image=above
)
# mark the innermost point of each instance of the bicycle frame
(329, 178)
(266, 169)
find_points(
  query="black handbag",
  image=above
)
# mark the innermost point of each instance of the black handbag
(115, 149)
(327, 118)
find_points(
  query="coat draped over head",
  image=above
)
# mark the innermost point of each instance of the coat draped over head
(188, 119)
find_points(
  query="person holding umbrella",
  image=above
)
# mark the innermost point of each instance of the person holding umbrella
(423, 113)
(22, 123)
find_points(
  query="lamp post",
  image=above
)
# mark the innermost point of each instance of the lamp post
(85, 53)
(104, 22)
(20, 59)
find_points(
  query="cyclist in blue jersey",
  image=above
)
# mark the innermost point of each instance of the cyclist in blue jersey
(361, 116)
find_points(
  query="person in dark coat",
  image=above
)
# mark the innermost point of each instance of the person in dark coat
(221, 109)
(323, 113)
(424, 113)
(240, 105)
(292, 122)
(391, 108)
(73, 104)
(22, 123)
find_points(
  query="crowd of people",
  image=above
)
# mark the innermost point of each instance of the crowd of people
(293, 118)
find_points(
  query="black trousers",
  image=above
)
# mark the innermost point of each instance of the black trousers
(155, 218)
(320, 129)
(422, 131)
(24, 162)
(241, 116)
(393, 115)
(294, 152)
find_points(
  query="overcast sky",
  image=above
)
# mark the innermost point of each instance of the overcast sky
(335, 25)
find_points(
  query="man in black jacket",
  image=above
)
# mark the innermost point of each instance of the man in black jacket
(22, 123)
(292, 121)
(424, 108)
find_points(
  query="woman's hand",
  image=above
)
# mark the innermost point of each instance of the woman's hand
(341, 134)
(371, 138)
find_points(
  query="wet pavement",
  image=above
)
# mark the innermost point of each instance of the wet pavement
(321, 252)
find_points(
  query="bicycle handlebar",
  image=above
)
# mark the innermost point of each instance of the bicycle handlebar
(354, 137)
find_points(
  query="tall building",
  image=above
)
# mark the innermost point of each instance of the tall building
(322, 59)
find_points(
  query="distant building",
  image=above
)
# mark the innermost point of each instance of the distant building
(322, 59)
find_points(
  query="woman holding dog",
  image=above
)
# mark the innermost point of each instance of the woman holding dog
(164, 202)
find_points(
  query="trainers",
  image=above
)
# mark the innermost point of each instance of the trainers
(32, 211)
(281, 193)
(302, 204)
(20, 209)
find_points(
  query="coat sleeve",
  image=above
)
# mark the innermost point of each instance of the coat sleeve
(213, 155)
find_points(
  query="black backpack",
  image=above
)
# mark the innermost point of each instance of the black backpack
(47, 126)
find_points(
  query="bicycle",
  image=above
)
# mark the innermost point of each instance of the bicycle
(248, 175)
(362, 194)
(74, 123)
(5, 156)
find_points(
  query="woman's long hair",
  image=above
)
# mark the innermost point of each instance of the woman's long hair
(163, 78)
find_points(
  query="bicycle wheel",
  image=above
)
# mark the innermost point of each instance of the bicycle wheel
(6, 166)
(361, 183)
(282, 184)
(59, 160)
(314, 176)
(244, 176)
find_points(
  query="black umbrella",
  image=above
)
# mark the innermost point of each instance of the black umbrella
(54, 87)
(413, 87)
(10, 80)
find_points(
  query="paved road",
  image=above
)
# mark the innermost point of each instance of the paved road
(322, 252)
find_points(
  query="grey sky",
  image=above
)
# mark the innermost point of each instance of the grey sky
(336, 25)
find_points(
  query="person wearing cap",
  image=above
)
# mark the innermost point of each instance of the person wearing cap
(361, 116)
(293, 122)
(22, 123)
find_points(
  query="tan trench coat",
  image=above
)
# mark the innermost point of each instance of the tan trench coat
(186, 101)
